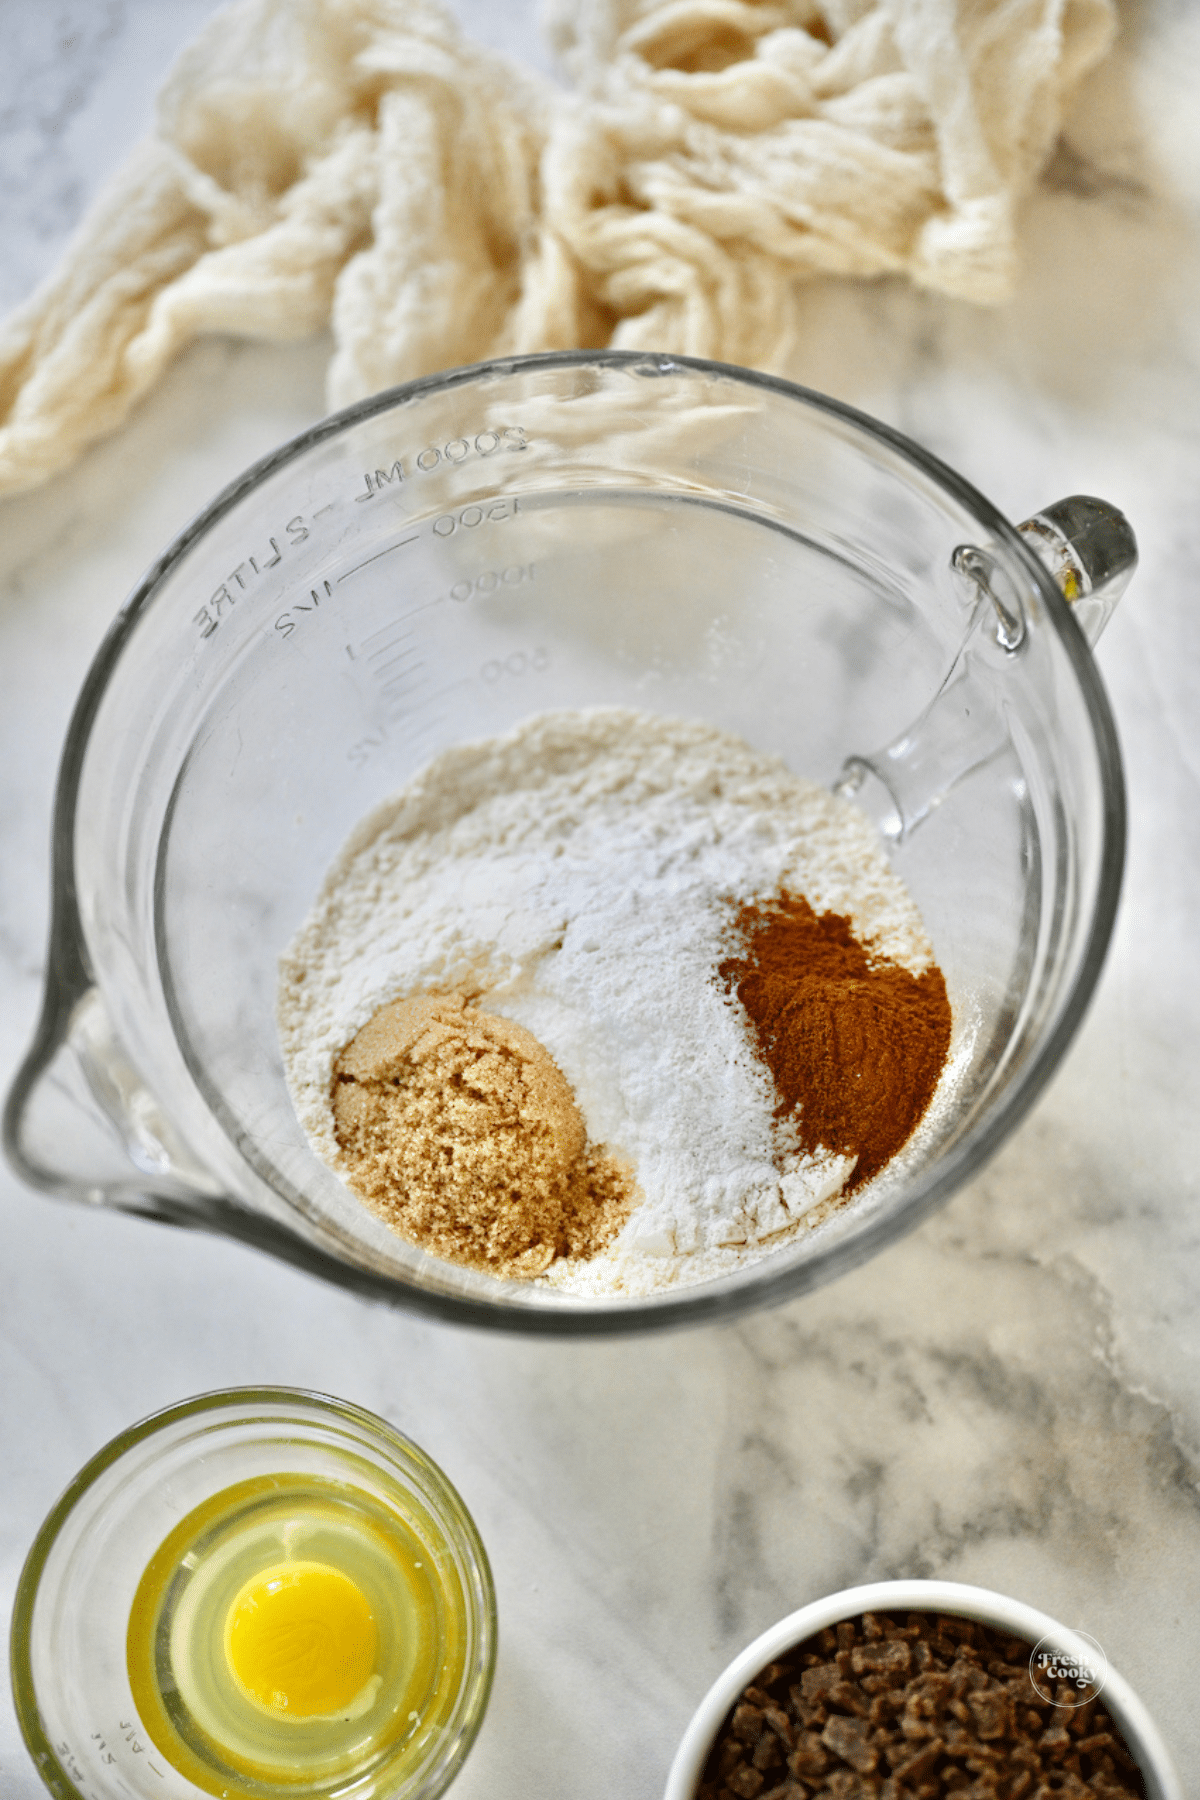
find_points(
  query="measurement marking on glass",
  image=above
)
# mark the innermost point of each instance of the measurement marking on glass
(431, 699)
(401, 701)
(397, 638)
(396, 693)
(209, 617)
(413, 723)
(345, 576)
(384, 681)
(401, 674)
(519, 662)
(393, 645)
(392, 625)
(395, 662)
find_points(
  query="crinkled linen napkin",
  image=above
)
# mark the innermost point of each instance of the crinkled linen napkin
(361, 163)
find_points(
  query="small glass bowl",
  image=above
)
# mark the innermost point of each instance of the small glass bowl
(1137, 1728)
(69, 1663)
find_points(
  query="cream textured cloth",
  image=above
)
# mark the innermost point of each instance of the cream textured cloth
(360, 162)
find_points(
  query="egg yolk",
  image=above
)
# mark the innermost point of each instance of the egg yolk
(301, 1639)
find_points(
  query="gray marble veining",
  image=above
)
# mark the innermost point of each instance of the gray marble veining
(1012, 1395)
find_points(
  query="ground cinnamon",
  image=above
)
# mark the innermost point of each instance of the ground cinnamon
(855, 1044)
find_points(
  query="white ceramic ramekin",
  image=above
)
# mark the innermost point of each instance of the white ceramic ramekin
(1136, 1726)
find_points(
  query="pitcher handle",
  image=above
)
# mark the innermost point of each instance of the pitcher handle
(1090, 550)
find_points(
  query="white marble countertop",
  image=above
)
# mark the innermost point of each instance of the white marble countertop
(1010, 1397)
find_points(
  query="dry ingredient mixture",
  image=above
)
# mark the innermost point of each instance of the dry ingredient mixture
(914, 1707)
(614, 1001)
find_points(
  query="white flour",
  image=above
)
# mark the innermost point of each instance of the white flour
(579, 876)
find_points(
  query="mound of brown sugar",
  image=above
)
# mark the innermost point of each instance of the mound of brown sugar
(460, 1131)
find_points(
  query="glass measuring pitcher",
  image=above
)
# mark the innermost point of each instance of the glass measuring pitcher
(560, 531)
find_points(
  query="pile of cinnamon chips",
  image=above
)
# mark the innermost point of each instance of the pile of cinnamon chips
(915, 1707)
